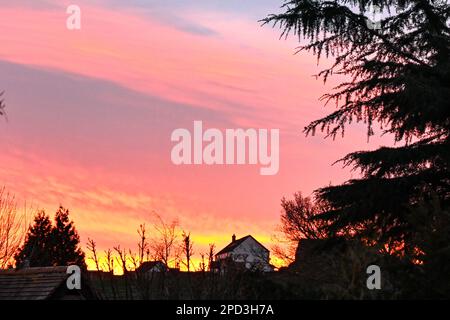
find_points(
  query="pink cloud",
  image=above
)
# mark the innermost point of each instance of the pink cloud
(243, 73)
(243, 68)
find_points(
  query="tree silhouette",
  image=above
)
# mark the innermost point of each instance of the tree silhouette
(399, 77)
(12, 228)
(164, 243)
(66, 241)
(51, 245)
(38, 248)
(298, 219)
(188, 249)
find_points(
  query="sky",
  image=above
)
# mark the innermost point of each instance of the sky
(90, 114)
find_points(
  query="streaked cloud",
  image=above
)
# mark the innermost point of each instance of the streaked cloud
(91, 112)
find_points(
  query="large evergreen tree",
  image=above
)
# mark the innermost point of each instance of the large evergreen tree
(51, 245)
(399, 77)
(67, 240)
(38, 248)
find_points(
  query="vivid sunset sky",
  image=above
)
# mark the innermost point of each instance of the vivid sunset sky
(90, 114)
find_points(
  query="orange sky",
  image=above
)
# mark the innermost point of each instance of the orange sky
(90, 114)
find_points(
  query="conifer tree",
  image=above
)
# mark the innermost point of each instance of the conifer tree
(38, 248)
(51, 245)
(66, 241)
(398, 73)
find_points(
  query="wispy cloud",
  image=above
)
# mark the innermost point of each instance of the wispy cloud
(91, 112)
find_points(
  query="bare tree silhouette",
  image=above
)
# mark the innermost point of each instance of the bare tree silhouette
(12, 228)
(187, 248)
(164, 244)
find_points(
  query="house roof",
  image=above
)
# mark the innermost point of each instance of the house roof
(149, 265)
(233, 245)
(31, 283)
(308, 247)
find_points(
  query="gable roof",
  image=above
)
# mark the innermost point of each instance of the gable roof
(31, 283)
(149, 265)
(233, 245)
(308, 247)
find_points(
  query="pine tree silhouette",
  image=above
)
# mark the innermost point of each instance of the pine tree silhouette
(38, 248)
(66, 240)
(398, 76)
(51, 245)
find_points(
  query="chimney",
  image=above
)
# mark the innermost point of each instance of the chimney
(233, 238)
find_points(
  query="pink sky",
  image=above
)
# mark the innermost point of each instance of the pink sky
(91, 111)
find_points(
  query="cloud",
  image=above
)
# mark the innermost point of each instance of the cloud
(31, 4)
(147, 56)
(61, 113)
(255, 9)
(91, 112)
(194, 28)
